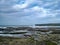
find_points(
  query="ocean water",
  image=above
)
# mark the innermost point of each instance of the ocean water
(27, 32)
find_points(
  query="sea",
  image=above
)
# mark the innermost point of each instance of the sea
(28, 33)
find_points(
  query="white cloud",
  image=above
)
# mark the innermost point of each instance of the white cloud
(30, 10)
(41, 12)
(38, 11)
(24, 5)
(20, 6)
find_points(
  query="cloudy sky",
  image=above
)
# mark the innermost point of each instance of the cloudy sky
(29, 12)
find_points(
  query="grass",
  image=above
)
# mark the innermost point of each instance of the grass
(50, 40)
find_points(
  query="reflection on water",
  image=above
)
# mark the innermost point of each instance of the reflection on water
(12, 35)
(23, 33)
(27, 32)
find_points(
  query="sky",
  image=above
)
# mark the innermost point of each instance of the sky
(29, 12)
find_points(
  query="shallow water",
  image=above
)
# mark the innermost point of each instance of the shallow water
(16, 31)
(27, 32)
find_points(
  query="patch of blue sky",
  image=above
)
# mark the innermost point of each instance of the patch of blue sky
(20, 2)
(32, 5)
